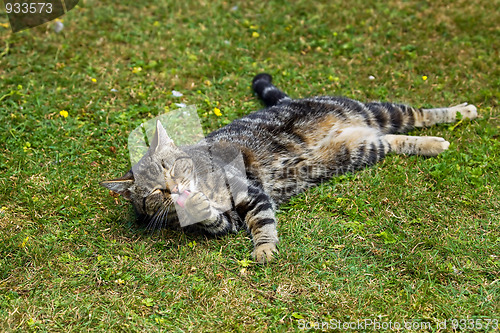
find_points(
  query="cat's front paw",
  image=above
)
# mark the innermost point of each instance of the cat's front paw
(264, 252)
(198, 207)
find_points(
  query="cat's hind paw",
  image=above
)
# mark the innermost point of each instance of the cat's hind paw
(432, 145)
(466, 110)
(264, 252)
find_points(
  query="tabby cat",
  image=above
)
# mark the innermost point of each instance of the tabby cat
(287, 147)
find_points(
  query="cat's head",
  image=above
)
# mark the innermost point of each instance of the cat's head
(158, 180)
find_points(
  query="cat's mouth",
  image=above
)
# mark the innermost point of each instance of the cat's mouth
(181, 200)
(180, 195)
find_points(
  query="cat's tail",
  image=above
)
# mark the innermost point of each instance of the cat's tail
(266, 91)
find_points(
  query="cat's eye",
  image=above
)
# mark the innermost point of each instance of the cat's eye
(152, 201)
(155, 192)
(182, 167)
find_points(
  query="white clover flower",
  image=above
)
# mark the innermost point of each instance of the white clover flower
(58, 26)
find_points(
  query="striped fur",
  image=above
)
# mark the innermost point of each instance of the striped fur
(287, 147)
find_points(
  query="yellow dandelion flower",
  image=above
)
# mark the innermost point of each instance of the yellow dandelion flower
(156, 24)
(217, 112)
(93, 80)
(4, 25)
(424, 77)
(136, 70)
(64, 113)
(255, 34)
(23, 244)
(27, 146)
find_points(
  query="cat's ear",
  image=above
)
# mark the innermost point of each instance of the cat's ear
(160, 138)
(120, 185)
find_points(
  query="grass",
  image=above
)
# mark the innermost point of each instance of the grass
(411, 239)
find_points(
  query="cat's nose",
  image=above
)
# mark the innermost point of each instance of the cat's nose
(174, 190)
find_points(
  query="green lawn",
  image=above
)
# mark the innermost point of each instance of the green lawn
(412, 239)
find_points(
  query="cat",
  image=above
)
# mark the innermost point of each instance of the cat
(287, 147)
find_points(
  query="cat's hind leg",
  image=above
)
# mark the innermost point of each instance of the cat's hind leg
(428, 145)
(416, 145)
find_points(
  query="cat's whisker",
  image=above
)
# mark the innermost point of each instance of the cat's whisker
(156, 218)
(164, 217)
(153, 221)
(149, 227)
(159, 219)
